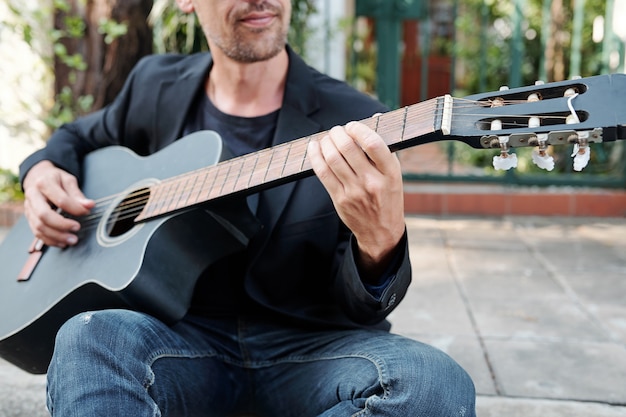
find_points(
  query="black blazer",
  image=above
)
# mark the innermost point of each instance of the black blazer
(303, 266)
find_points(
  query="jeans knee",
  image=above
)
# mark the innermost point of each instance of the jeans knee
(452, 391)
(433, 384)
(90, 331)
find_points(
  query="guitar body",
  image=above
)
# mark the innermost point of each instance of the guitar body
(121, 268)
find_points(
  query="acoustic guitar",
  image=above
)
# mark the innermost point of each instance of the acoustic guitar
(186, 193)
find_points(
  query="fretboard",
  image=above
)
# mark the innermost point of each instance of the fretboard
(286, 162)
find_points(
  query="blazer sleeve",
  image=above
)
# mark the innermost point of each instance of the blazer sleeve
(69, 144)
(358, 303)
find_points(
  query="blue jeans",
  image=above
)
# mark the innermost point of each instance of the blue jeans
(123, 363)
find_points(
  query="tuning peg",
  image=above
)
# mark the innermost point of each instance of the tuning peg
(582, 152)
(543, 160)
(540, 155)
(581, 157)
(504, 162)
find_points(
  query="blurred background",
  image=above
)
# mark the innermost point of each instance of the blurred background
(63, 58)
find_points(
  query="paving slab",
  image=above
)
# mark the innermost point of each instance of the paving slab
(558, 369)
(545, 301)
(534, 308)
(521, 407)
(21, 394)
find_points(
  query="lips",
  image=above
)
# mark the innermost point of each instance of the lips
(258, 19)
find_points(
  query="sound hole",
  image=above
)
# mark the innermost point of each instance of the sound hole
(122, 219)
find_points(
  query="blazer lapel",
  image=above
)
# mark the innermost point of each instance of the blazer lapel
(293, 123)
(178, 93)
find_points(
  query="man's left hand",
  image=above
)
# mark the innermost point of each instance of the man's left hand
(364, 181)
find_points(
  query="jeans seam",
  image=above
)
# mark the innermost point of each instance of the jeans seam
(376, 361)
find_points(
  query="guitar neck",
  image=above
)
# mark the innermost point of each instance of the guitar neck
(402, 128)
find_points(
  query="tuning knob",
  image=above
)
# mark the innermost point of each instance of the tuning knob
(543, 160)
(581, 157)
(582, 152)
(504, 161)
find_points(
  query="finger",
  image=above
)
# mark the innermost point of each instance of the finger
(44, 228)
(70, 198)
(342, 153)
(320, 167)
(374, 146)
(47, 224)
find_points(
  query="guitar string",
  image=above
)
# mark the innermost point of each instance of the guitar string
(290, 143)
(133, 204)
(131, 207)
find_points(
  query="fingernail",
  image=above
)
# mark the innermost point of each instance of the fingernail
(72, 240)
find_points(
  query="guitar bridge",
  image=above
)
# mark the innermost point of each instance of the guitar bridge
(36, 251)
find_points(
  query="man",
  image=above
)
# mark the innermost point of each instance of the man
(295, 324)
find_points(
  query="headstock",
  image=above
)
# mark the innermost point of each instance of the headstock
(575, 112)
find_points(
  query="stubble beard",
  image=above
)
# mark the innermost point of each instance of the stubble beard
(248, 45)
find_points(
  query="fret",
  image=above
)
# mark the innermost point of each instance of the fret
(208, 184)
(198, 186)
(232, 176)
(264, 159)
(159, 198)
(218, 183)
(282, 171)
(406, 109)
(297, 153)
(275, 169)
(247, 169)
(419, 124)
(185, 193)
(148, 209)
(173, 195)
(224, 183)
(306, 163)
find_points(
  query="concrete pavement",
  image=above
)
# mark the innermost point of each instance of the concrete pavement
(533, 307)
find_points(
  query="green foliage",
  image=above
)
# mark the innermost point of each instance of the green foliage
(484, 46)
(361, 72)
(10, 189)
(175, 31)
(300, 31)
(72, 27)
(484, 37)
(111, 30)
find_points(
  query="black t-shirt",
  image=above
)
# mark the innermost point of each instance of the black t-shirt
(219, 290)
(241, 135)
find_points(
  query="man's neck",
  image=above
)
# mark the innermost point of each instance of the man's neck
(247, 90)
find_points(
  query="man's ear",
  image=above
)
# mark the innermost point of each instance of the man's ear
(185, 5)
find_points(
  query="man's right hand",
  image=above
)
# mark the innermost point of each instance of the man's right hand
(48, 190)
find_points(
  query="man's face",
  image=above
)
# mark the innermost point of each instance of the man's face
(245, 30)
